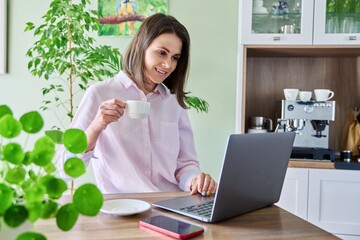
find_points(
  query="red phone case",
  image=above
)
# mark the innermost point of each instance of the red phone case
(170, 233)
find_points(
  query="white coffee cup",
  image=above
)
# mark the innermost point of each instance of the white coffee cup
(137, 109)
(305, 96)
(323, 94)
(291, 93)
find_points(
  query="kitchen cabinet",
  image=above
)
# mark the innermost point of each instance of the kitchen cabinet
(313, 57)
(328, 198)
(334, 200)
(299, 22)
(294, 197)
(264, 23)
(337, 28)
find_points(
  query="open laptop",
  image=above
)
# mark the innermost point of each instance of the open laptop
(251, 178)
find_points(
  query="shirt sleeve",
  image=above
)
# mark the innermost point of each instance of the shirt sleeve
(187, 163)
(85, 114)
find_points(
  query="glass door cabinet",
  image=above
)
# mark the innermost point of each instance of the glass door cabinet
(277, 22)
(337, 22)
(300, 22)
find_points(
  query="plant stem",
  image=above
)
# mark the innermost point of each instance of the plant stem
(26, 141)
(70, 88)
(71, 72)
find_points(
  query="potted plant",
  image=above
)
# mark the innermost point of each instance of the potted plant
(67, 57)
(29, 186)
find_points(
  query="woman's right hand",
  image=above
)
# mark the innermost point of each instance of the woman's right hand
(109, 111)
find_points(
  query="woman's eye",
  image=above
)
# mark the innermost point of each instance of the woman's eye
(176, 58)
(162, 53)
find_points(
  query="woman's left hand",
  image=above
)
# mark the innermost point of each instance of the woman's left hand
(203, 184)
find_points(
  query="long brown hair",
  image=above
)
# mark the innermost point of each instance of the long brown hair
(150, 29)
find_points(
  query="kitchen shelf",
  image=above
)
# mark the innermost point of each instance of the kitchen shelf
(270, 69)
(301, 51)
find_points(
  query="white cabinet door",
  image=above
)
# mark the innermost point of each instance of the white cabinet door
(294, 195)
(336, 28)
(334, 200)
(261, 22)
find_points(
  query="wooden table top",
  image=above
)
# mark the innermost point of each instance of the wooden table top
(267, 223)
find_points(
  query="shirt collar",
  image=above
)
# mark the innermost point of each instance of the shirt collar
(127, 82)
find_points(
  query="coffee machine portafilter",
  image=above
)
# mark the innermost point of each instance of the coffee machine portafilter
(310, 121)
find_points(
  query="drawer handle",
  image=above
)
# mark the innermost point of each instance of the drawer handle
(276, 38)
(352, 38)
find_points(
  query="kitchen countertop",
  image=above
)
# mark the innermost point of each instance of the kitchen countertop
(323, 164)
(309, 163)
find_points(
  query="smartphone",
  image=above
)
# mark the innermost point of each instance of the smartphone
(172, 227)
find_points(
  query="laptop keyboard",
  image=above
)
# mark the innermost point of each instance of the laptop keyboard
(203, 209)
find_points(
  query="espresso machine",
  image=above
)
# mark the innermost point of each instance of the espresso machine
(310, 121)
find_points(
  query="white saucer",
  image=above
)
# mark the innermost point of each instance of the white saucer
(124, 207)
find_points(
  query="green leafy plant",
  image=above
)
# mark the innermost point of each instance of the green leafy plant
(66, 55)
(29, 188)
(199, 104)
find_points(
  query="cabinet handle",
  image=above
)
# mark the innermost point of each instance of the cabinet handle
(276, 38)
(352, 38)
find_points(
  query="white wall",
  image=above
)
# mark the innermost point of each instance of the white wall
(213, 29)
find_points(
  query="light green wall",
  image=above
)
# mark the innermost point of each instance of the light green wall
(213, 27)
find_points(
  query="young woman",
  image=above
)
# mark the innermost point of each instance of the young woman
(156, 153)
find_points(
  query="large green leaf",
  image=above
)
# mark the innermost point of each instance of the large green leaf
(15, 216)
(6, 197)
(43, 152)
(50, 168)
(9, 126)
(74, 167)
(35, 193)
(75, 140)
(13, 153)
(5, 110)
(31, 236)
(49, 209)
(32, 122)
(66, 217)
(88, 199)
(55, 187)
(15, 175)
(27, 184)
(27, 159)
(55, 135)
(35, 210)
